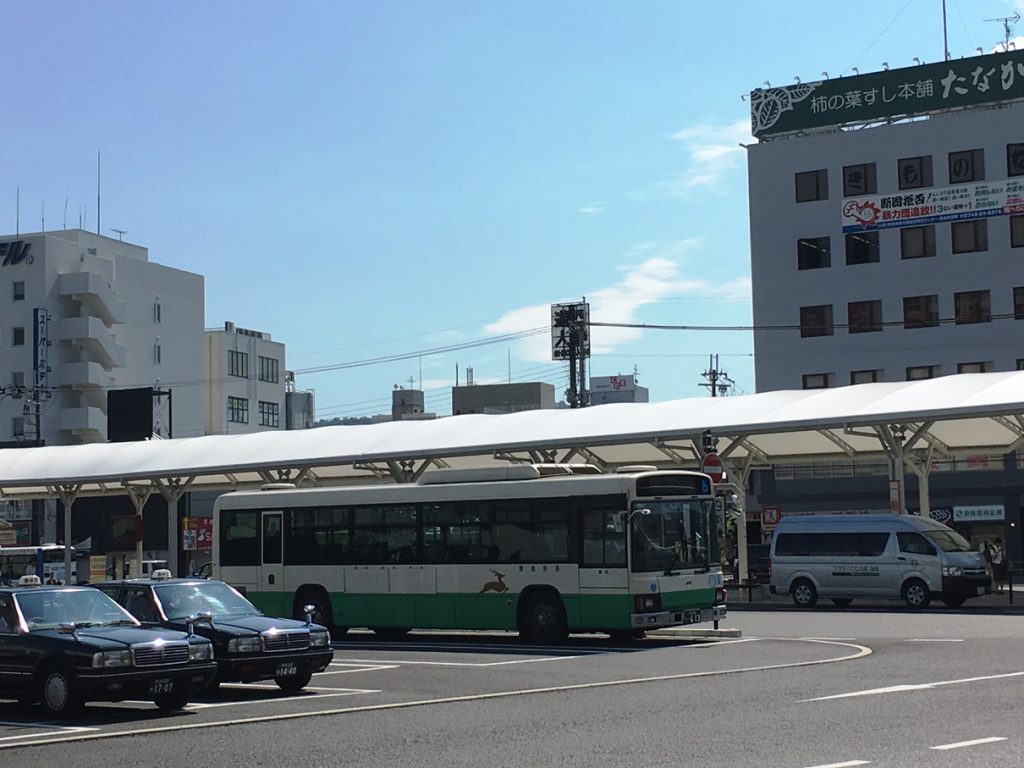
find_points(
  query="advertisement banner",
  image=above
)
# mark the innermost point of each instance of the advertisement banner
(197, 533)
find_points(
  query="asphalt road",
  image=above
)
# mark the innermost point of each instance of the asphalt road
(829, 688)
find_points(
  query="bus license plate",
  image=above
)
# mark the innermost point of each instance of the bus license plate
(161, 686)
(287, 669)
(691, 617)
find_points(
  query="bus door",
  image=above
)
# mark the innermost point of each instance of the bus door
(272, 564)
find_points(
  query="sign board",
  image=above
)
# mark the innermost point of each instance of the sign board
(770, 515)
(895, 500)
(978, 514)
(97, 568)
(569, 321)
(916, 90)
(196, 533)
(712, 466)
(613, 383)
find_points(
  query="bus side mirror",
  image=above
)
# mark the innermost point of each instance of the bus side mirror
(618, 521)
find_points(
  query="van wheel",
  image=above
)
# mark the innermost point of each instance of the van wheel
(803, 593)
(916, 595)
(841, 602)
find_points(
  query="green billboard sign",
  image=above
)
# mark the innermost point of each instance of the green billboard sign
(889, 94)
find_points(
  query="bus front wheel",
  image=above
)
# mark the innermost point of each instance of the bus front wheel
(543, 619)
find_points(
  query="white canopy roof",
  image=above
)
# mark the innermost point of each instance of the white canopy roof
(967, 413)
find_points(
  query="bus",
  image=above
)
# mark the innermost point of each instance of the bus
(16, 562)
(541, 549)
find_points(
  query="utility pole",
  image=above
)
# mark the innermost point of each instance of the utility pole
(570, 340)
(718, 381)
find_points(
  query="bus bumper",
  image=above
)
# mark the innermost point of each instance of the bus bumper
(677, 618)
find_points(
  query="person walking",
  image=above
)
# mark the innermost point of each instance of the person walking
(999, 564)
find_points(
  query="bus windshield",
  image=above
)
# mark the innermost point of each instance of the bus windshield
(669, 535)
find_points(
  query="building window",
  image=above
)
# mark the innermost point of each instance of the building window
(1017, 231)
(238, 363)
(1020, 363)
(18, 426)
(269, 369)
(157, 313)
(18, 337)
(985, 367)
(238, 410)
(920, 311)
(816, 380)
(816, 321)
(965, 166)
(270, 414)
(1018, 303)
(813, 252)
(917, 242)
(970, 236)
(918, 372)
(18, 290)
(864, 316)
(812, 185)
(17, 378)
(972, 307)
(157, 354)
(914, 172)
(859, 180)
(1015, 159)
(861, 247)
(865, 377)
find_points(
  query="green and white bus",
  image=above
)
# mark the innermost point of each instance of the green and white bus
(542, 549)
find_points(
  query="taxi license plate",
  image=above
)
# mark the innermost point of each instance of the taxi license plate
(691, 617)
(286, 669)
(161, 686)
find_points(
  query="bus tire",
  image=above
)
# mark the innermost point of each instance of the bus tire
(915, 594)
(803, 593)
(542, 620)
(626, 636)
(322, 611)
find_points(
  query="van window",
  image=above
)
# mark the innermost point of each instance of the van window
(914, 544)
(843, 544)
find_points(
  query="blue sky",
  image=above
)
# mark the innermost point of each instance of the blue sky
(369, 179)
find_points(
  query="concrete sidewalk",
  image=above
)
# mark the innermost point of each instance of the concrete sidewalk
(758, 598)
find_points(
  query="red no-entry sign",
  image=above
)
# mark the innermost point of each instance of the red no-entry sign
(712, 466)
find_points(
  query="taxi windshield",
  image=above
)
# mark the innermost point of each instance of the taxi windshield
(49, 609)
(180, 601)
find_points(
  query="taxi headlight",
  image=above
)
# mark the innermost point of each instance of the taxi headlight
(319, 639)
(952, 570)
(251, 644)
(108, 659)
(200, 652)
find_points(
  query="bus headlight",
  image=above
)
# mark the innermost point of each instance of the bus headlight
(952, 570)
(319, 639)
(200, 652)
(108, 659)
(648, 603)
(251, 644)
(721, 594)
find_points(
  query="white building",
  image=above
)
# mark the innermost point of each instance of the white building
(108, 318)
(887, 225)
(246, 374)
(617, 389)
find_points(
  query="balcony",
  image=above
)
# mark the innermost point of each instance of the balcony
(87, 424)
(95, 338)
(84, 376)
(94, 294)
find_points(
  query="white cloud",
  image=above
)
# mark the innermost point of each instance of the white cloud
(652, 273)
(1016, 43)
(593, 209)
(714, 151)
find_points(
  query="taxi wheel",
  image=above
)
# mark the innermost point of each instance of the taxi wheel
(171, 702)
(58, 692)
(293, 683)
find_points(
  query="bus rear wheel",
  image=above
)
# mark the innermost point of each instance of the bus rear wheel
(322, 613)
(543, 620)
(391, 633)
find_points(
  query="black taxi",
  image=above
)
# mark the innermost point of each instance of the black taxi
(65, 645)
(249, 646)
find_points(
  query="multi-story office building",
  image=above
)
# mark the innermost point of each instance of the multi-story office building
(502, 398)
(887, 225)
(82, 314)
(246, 375)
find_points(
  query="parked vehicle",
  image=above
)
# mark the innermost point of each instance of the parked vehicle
(843, 557)
(248, 645)
(63, 646)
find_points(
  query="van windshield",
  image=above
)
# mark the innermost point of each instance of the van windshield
(949, 541)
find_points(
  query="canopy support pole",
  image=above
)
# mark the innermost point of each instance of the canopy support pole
(67, 493)
(139, 495)
(173, 489)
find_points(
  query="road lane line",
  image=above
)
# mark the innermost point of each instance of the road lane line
(198, 705)
(847, 764)
(971, 743)
(860, 652)
(934, 640)
(904, 688)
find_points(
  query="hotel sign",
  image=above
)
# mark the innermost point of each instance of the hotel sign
(889, 94)
(928, 206)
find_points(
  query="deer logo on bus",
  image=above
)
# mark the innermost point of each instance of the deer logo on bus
(498, 586)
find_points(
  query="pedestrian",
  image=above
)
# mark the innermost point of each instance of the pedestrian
(999, 563)
(986, 551)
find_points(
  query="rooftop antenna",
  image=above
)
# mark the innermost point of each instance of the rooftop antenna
(120, 232)
(945, 36)
(17, 210)
(825, 75)
(797, 78)
(42, 220)
(855, 70)
(1007, 21)
(917, 61)
(97, 192)
(885, 65)
(65, 210)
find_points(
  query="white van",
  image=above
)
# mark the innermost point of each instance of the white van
(897, 557)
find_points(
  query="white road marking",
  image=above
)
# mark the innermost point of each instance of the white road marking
(934, 640)
(972, 743)
(860, 652)
(847, 764)
(343, 692)
(401, 662)
(903, 688)
(54, 730)
(358, 668)
(837, 639)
